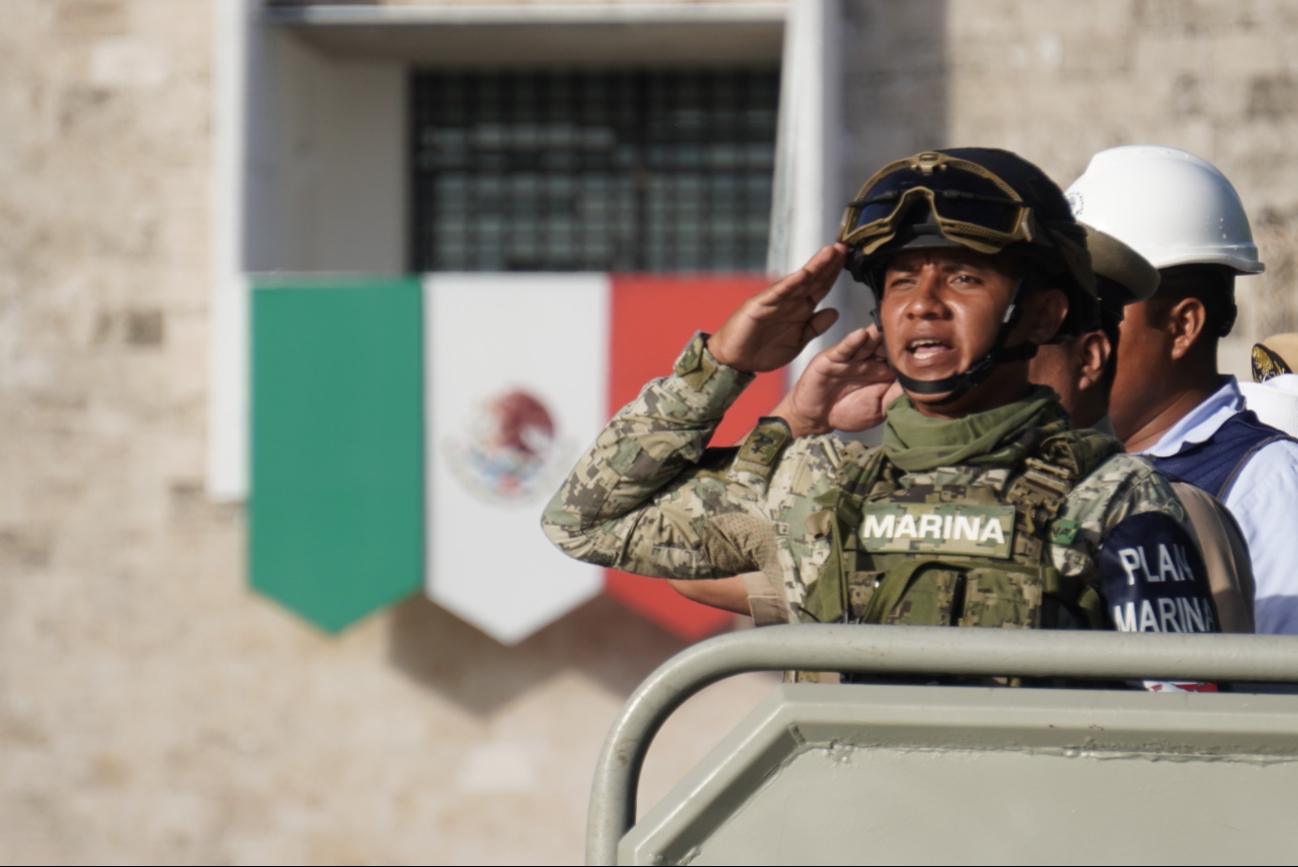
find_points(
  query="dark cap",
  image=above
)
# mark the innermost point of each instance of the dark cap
(1122, 276)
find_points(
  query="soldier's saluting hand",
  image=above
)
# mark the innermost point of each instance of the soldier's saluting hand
(845, 387)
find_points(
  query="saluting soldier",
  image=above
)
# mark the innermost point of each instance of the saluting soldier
(982, 507)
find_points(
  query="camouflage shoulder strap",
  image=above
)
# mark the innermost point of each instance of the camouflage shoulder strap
(827, 601)
(1051, 472)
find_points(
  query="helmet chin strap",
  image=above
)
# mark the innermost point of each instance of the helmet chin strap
(956, 386)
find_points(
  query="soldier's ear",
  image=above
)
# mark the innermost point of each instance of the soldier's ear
(1044, 312)
(1186, 323)
(1093, 354)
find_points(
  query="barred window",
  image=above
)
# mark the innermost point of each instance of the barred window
(650, 171)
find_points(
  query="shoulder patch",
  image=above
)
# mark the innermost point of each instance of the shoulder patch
(1064, 531)
(1153, 578)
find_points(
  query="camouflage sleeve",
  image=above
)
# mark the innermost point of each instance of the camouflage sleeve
(1138, 489)
(1121, 487)
(639, 498)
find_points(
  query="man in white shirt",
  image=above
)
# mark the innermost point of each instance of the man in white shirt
(1170, 402)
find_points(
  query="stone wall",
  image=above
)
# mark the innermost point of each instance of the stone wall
(493, 2)
(1058, 80)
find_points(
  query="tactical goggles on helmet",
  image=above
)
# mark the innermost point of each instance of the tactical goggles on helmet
(970, 205)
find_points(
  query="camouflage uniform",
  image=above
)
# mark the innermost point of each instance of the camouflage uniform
(652, 499)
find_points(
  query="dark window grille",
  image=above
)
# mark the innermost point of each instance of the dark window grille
(663, 171)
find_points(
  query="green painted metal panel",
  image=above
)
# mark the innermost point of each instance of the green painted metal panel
(336, 507)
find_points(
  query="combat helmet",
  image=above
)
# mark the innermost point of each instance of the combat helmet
(981, 199)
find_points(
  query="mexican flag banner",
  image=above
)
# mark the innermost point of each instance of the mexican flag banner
(407, 432)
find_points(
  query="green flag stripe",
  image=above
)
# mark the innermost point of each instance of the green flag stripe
(336, 506)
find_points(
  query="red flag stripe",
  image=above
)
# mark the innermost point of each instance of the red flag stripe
(652, 319)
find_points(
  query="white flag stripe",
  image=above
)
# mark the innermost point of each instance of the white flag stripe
(519, 359)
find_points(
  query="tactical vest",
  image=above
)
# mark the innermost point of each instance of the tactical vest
(959, 554)
(1214, 464)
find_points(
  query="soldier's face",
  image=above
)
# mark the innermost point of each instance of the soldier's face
(941, 309)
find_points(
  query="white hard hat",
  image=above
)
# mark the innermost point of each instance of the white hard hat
(1173, 207)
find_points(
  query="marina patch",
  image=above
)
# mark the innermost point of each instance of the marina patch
(947, 528)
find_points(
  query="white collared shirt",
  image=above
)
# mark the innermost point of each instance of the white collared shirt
(1264, 500)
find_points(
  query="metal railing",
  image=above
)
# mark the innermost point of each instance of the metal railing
(913, 650)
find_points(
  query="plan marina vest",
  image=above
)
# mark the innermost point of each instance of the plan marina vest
(959, 554)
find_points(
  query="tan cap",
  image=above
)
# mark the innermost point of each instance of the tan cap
(1275, 356)
(1135, 278)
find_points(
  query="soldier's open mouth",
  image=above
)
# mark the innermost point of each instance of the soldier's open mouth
(928, 350)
